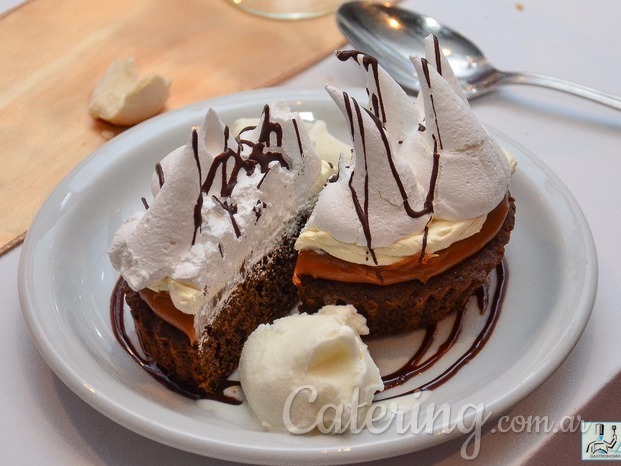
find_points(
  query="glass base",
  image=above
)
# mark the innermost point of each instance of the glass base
(288, 9)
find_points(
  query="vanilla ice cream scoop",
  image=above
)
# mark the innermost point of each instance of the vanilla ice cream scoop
(310, 371)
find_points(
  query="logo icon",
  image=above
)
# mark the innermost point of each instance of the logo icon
(599, 440)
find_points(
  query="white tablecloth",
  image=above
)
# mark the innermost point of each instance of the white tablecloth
(43, 422)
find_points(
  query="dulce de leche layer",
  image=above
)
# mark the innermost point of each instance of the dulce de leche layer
(328, 267)
(163, 307)
(325, 266)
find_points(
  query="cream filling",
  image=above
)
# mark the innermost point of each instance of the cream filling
(185, 297)
(441, 234)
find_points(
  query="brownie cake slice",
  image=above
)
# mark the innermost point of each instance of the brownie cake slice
(212, 256)
(267, 294)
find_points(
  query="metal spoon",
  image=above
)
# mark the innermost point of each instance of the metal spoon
(392, 34)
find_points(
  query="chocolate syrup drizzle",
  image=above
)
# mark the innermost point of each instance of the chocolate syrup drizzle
(160, 174)
(198, 206)
(378, 116)
(258, 208)
(414, 367)
(436, 49)
(260, 154)
(376, 100)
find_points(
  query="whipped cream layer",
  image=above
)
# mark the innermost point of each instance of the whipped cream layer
(440, 235)
(424, 173)
(284, 365)
(220, 204)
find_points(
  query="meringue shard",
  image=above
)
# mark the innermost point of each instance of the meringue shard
(416, 163)
(474, 173)
(378, 200)
(387, 100)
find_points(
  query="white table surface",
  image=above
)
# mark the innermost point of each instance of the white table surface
(43, 422)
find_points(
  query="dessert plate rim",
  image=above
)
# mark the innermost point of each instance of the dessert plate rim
(64, 263)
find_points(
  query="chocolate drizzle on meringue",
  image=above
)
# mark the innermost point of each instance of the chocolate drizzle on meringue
(198, 218)
(160, 174)
(378, 116)
(259, 155)
(258, 208)
(377, 102)
(437, 139)
(230, 209)
(437, 52)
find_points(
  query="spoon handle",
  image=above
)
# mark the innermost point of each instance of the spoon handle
(579, 90)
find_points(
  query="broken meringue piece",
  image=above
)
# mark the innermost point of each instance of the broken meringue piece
(122, 98)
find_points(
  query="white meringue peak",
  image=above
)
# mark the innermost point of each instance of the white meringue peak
(365, 206)
(473, 174)
(415, 164)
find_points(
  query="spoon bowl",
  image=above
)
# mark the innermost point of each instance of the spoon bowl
(393, 34)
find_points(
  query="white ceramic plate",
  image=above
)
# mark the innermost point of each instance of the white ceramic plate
(65, 283)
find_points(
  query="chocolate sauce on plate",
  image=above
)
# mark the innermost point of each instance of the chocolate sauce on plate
(488, 302)
(416, 366)
(117, 313)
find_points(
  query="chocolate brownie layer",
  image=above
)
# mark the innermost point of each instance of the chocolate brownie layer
(413, 304)
(267, 294)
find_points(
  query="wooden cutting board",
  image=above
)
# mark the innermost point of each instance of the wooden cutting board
(53, 52)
